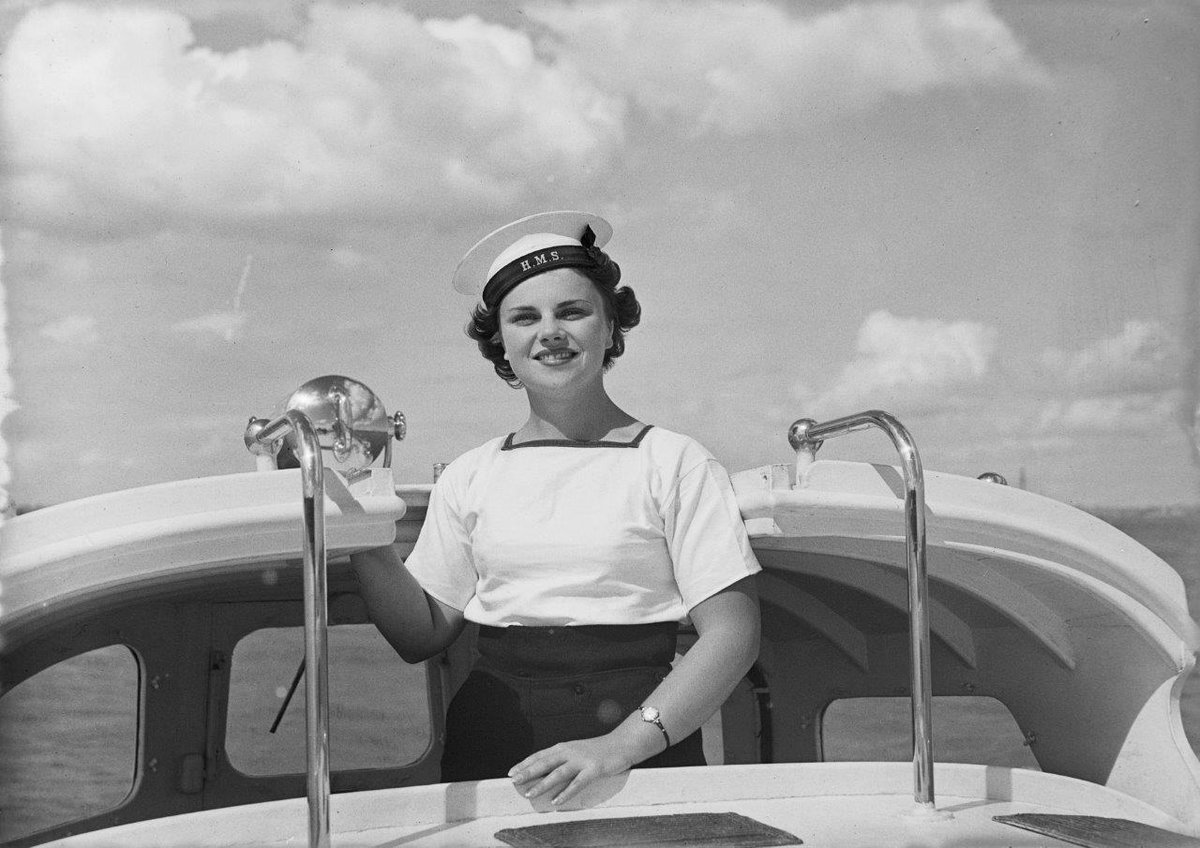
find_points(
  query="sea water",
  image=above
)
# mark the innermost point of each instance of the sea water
(48, 776)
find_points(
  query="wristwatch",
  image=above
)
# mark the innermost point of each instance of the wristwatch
(651, 715)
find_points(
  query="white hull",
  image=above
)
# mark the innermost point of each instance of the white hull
(1083, 634)
(827, 805)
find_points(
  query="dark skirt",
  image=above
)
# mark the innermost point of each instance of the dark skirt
(533, 687)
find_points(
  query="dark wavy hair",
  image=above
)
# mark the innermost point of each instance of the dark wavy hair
(620, 305)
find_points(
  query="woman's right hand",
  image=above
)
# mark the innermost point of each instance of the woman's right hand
(416, 624)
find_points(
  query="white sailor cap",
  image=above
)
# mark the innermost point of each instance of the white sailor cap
(532, 245)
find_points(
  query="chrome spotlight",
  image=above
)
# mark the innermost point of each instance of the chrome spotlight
(351, 424)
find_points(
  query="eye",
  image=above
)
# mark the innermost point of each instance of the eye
(574, 312)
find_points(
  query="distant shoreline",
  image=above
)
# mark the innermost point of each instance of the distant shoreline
(1172, 511)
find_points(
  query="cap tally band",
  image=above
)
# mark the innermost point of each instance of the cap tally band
(584, 255)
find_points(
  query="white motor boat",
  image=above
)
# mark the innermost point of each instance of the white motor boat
(186, 605)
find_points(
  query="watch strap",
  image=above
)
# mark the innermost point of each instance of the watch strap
(651, 715)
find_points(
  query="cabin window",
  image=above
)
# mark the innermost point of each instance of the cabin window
(378, 704)
(78, 721)
(966, 729)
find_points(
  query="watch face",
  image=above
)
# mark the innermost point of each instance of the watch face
(649, 714)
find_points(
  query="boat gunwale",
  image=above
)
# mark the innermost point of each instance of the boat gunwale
(405, 813)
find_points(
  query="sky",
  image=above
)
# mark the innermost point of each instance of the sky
(981, 217)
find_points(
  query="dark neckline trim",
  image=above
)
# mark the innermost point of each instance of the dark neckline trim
(571, 443)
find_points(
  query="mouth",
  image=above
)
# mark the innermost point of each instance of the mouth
(556, 357)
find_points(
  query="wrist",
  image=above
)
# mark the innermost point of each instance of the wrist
(637, 741)
(653, 717)
(651, 738)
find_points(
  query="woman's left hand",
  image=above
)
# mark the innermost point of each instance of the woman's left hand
(562, 770)
(727, 628)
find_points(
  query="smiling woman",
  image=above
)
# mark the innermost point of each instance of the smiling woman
(599, 287)
(577, 566)
(554, 326)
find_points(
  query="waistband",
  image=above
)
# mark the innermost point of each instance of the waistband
(561, 651)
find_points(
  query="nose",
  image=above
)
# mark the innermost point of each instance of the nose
(551, 330)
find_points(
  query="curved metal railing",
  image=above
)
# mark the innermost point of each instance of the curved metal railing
(298, 429)
(806, 437)
(352, 420)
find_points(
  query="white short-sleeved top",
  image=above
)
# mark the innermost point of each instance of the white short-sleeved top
(563, 533)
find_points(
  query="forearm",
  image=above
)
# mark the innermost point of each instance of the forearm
(689, 696)
(727, 625)
(412, 622)
(701, 681)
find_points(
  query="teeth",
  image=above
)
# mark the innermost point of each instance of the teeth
(556, 357)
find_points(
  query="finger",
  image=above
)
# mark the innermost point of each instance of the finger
(525, 766)
(572, 789)
(540, 762)
(527, 773)
(534, 766)
(529, 786)
(552, 782)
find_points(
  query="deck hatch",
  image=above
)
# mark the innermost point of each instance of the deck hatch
(1099, 831)
(709, 830)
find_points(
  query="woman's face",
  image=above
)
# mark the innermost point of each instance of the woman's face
(555, 331)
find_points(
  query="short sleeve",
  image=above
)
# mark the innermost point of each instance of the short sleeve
(706, 536)
(441, 560)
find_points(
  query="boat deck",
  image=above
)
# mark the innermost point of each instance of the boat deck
(839, 805)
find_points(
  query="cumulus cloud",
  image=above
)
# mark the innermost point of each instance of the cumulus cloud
(1140, 412)
(909, 366)
(115, 118)
(117, 121)
(72, 330)
(1127, 382)
(742, 67)
(1144, 356)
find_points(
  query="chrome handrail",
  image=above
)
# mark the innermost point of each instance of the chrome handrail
(295, 425)
(806, 437)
